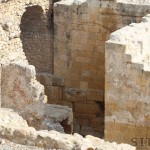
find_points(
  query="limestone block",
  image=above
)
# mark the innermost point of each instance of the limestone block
(11, 118)
(59, 113)
(87, 108)
(54, 93)
(95, 95)
(48, 79)
(97, 123)
(75, 95)
(146, 19)
(45, 78)
(82, 121)
(58, 81)
(21, 91)
(83, 85)
(30, 71)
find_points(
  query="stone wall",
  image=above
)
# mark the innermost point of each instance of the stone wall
(127, 84)
(25, 95)
(37, 38)
(11, 45)
(20, 90)
(10, 20)
(54, 87)
(81, 29)
(20, 22)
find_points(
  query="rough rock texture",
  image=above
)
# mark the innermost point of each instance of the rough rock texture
(127, 83)
(11, 46)
(55, 117)
(11, 119)
(75, 52)
(20, 90)
(15, 129)
(52, 118)
(141, 2)
(7, 145)
(22, 93)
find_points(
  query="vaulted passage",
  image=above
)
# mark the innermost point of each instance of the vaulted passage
(37, 39)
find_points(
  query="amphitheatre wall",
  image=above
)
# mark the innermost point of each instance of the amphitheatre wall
(81, 30)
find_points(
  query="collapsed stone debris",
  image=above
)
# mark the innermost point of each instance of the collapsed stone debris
(74, 66)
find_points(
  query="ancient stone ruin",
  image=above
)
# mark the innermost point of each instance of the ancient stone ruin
(74, 74)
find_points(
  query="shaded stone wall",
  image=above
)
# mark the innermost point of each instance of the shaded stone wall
(54, 87)
(81, 29)
(37, 38)
(127, 85)
(19, 88)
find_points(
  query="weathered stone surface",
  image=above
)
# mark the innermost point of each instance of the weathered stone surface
(7, 145)
(11, 45)
(127, 82)
(48, 79)
(135, 1)
(14, 128)
(11, 118)
(94, 95)
(81, 30)
(21, 92)
(75, 95)
(55, 117)
(25, 95)
(87, 108)
(59, 113)
(75, 51)
(54, 93)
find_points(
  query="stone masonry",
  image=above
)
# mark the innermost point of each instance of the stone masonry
(56, 52)
(81, 30)
(19, 88)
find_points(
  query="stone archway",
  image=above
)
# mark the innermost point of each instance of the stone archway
(37, 39)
